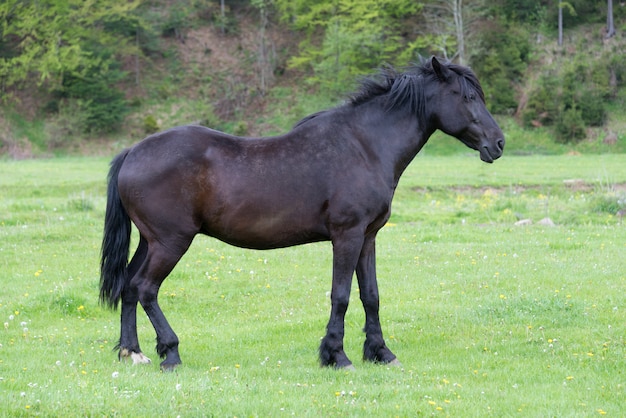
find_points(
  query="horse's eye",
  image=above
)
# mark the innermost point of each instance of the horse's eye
(471, 97)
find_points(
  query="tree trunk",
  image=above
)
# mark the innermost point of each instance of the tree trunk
(457, 8)
(262, 56)
(610, 26)
(223, 16)
(137, 57)
(560, 24)
(265, 55)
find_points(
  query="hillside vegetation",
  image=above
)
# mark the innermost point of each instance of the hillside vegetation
(92, 78)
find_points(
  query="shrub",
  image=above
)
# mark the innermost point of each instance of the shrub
(570, 126)
(150, 125)
(240, 128)
(67, 124)
(570, 99)
(102, 105)
(609, 203)
(542, 105)
(593, 110)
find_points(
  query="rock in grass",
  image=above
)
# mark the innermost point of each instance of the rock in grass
(546, 222)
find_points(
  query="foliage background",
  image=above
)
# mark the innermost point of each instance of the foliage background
(81, 76)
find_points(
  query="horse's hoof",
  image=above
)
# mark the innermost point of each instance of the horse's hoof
(395, 363)
(139, 358)
(169, 367)
(136, 357)
(349, 368)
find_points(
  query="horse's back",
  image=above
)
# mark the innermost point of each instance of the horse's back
(188, 141)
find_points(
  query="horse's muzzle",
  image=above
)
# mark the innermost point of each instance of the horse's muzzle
(492, 151)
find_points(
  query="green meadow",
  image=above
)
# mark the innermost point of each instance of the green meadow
(488, 317)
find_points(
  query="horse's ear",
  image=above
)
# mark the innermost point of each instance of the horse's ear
(442, 72)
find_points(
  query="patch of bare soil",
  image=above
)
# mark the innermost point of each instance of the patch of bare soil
(211, 51)
(15, 148)
(231, 70)
(249, 53)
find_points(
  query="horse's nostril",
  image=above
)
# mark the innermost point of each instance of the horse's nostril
(500, 144)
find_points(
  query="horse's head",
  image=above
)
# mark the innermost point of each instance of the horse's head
(459, 110)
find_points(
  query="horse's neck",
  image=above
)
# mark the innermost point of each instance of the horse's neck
(397, 137)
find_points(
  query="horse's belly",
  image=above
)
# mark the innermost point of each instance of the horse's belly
(267, 229)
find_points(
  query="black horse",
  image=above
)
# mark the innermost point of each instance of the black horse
(331, 178)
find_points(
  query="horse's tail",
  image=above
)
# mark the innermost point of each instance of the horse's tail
(116, 241)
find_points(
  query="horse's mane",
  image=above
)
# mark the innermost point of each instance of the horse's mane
(406, 88)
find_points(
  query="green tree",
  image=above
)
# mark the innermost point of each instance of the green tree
(358, 35)
(72, 49)
(500, 57)
(51, 39)
(571, 97)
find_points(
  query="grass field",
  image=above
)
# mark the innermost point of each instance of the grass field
(487, 318)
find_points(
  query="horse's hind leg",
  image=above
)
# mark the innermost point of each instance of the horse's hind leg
(160, 260)
(129, 342)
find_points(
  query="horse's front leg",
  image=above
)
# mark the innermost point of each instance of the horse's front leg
(374, 349)
(345, 255)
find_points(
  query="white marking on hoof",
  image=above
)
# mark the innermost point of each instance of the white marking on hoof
(395, 363)
(139, 358)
